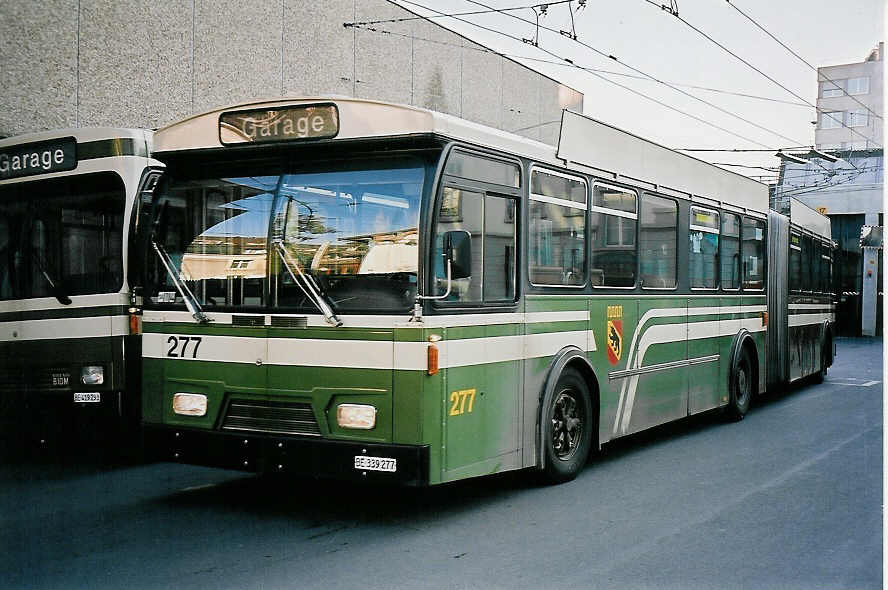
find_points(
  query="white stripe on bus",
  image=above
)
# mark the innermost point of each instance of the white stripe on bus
(58, 328)
(681, 331)
(808, 319)
(365, 354)
(77, 302)
(382, 321)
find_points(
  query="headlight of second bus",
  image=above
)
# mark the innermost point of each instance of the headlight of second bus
(92, 375)
(190, 404)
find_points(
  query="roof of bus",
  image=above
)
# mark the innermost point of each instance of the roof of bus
(361, 118)
(81, 135)
(807, 218)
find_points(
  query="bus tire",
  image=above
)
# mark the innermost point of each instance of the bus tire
(567, 428)
(741, 386)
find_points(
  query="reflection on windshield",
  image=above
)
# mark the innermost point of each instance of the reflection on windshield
(351, 227)
(61, 237)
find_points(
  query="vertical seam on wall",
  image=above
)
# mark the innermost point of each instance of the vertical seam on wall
(412, 68)
(283, 12)
(354, 50)
(77, 74)
(462, 54)
(193, 25)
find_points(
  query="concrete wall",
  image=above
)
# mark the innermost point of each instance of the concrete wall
(138, 63)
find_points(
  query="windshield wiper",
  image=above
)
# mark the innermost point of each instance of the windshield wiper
(55, 286)
(187, 296)
(307, 283)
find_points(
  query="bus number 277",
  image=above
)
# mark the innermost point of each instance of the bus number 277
(178, 346)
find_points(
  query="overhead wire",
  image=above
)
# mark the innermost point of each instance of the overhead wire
(768, 77)
(561, 62)
(449, 15)
(623, 86)
(645, 74)
(800, 58)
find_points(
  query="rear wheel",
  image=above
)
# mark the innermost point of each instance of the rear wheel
(742, 379)
(567, 428)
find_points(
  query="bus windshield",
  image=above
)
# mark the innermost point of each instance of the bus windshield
(245, 238)
(61, 237)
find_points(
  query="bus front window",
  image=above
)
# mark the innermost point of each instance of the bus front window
(350, 227)
(61, 237)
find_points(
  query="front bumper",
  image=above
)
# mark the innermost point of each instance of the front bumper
(261, 453)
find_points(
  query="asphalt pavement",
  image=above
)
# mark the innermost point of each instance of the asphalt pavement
(790, 498)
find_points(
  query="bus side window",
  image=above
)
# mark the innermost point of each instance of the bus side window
(612, 227)
(795, 262)
(730, 251)
(826, 277)
(753, 253)
(807, 270)
(490, 220)
(557, 254)
(460, 210)
(657, 240)
(703, 248)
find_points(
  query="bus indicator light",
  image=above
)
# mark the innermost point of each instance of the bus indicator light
(433, 359)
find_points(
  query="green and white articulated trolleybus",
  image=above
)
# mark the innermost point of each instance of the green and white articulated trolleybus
(69, 355)
(354, 289)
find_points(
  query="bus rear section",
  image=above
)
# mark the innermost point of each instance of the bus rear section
(801, 295)
(68, 340)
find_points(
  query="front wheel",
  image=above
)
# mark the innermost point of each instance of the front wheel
(741, 384)
(567, 428)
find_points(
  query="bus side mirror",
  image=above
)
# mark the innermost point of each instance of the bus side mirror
(458, 250)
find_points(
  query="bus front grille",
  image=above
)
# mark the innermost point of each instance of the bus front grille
(271, 417)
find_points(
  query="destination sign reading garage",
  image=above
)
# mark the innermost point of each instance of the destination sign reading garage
(317, 121)
(41, 157)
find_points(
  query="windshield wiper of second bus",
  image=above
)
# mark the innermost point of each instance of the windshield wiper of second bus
(54, 285)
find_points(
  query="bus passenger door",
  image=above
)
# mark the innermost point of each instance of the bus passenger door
(483, 357)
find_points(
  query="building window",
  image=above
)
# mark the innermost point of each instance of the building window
(858, 118)
(858, 85)
(831, 120)
(830, 88)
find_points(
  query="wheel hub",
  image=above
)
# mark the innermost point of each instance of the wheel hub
(567, 425)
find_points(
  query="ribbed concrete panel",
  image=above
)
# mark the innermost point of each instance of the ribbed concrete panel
(384, 63)
(552, 100)
(38, 78)
(437, 68)
(135, 66)
(319, 54)
(482, 78)
(521, 100)
(237, 51)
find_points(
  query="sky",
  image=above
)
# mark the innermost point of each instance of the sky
(644, 36)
